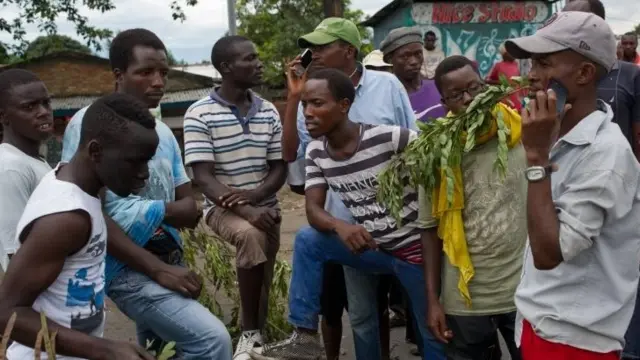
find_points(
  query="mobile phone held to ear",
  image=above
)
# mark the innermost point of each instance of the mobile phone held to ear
(561, 95)
(305, 60)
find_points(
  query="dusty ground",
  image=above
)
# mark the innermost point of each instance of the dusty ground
(293, 217)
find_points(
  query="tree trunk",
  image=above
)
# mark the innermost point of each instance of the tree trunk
(333, 8)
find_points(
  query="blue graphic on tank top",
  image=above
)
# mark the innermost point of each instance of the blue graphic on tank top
(82, 294)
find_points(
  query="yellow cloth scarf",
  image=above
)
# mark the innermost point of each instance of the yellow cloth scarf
(451, 225)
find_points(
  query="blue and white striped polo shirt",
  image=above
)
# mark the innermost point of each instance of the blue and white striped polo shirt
(240, 147)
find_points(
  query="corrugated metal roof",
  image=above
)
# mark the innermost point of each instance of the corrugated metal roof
(78, 102)
(200, 69)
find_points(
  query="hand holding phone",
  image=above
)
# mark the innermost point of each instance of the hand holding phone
(305, 60)
(541, 122)
(297, 72)
(561, 95)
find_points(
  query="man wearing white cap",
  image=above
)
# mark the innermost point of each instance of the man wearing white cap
(580, 276)
(374, 61)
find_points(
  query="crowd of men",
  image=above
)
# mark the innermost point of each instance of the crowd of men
(546, 255)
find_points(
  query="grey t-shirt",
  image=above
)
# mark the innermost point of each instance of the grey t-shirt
(621, 90)
(21, 174)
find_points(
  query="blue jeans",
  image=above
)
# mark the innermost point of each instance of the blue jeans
(362, 295)
(311, 251)
(162, 315)
(632, 337)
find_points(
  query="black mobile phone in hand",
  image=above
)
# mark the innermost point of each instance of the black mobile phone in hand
(561, 95)
(305, 58)
(305, 61)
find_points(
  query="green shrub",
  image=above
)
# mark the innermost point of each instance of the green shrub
(214, 260)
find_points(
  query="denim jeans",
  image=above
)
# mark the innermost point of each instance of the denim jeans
(311, 251)
(632, 337)
(162, 315)
(362, 290)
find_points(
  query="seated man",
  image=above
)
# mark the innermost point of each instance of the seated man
(347, 157)
(64, 236)
(152, 219)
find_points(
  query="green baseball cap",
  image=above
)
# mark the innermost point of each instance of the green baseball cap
(330, 30)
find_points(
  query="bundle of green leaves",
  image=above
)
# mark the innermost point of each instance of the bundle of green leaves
(440, 146)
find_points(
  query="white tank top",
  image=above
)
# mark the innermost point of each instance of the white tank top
(76, 298)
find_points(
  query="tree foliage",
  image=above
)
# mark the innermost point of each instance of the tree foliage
(171, 59)
(44, 14)
(275, 25)
(5, 57)
(44, 45)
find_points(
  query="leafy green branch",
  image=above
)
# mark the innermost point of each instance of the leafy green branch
(440, 146)
(214, 260)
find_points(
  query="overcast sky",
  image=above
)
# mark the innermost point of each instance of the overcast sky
(192, 40)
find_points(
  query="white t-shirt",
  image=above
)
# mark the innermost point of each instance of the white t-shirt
(21, 174)
(76, 298)
(432, 58)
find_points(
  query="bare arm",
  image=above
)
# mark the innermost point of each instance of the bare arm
(635, 114)
(432, 260)
(175, 278)
(635, 128)
(274, 181)
(542, 219)
(354, 237)
(207, 182)
(290, 141)
(290, 136)
(562, 228)
(317, 216)
(182, 213)
(432, 263)
(213, 189)
(42, 256)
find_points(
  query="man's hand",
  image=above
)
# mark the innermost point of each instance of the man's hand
(541, 125)
(295, 83)
(118, 350)
(437, 322)
(356, 238)
(263, 218)
(239, 197)
(179, 279)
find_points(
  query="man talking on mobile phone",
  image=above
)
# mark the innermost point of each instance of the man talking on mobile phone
(580, 275)
(380, 100)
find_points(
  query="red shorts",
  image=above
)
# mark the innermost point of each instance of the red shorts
(533, 347)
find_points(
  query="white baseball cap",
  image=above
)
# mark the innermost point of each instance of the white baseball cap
(375, 58)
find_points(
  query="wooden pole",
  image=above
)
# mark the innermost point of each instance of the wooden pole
(333, 8)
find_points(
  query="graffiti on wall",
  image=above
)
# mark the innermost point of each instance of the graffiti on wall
(476, 30)
(482, 13)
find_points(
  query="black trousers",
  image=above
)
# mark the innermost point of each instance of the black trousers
(476, 337)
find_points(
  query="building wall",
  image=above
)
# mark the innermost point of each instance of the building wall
(472, 29)
(400, 17)
(74, 78)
